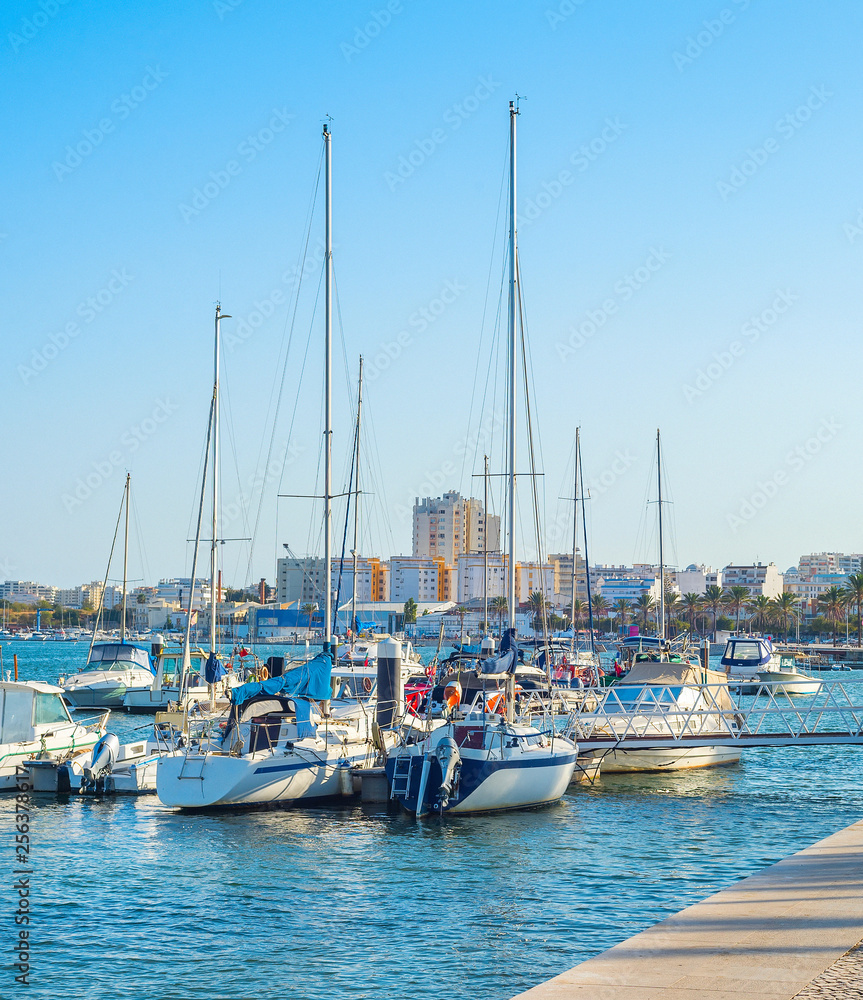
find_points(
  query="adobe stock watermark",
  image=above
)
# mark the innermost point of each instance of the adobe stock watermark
(795, 461)
(240, 332)
(750, 333)
(225, 7)
(248, 151)
(787, 127)
(436, 479)
(419, 321)
(561, 527)
(624, 289)
(586, 154)
(88, 310)
(710, 30)
(121, 107)
(854, 229)
(130, 442)
(29, 28)
(562, 12)
(239, 505)
(453, 118)
(364, 35)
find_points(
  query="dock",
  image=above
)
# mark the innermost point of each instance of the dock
(794, 929)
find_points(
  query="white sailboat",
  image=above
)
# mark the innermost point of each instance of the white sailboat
(480, 761)
(280, 744)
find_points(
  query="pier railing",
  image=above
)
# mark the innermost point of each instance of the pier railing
(687, 716)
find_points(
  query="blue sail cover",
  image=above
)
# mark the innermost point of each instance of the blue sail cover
(213, 669)
(307, 680)
(507, 656)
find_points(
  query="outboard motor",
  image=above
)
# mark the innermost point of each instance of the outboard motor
(104, 755)
(450, 761)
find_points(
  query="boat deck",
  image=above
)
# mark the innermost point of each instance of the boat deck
(792, 930)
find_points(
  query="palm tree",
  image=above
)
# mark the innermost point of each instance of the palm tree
(672, 600)
(622, 608)
(500, 607)
(785, 606)
(854, 597)
(691, 605)
(832, 603)
(600, 606)
(536, 603)
(712, 600)
(460, 613)
(645, 605)
(735, 598)
(309, 609)
(761, 608)
(578, 610)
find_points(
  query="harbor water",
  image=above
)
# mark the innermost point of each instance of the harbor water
(133, 901)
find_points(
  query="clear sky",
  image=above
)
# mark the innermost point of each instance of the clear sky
(691, 241)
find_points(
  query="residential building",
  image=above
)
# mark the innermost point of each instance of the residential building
(758, 579)
(423, 579)
(695, 579)
(27, 592)
(372, 579)
(809, 590)
(449, 525)
(829, 562)
(469, 570)
(562, 563)
(302, 580)
(531, 577)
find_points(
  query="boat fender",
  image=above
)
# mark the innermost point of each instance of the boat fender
(452, 695)
(104, 754)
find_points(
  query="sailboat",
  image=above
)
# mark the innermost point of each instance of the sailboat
(665, 692)
(479, 760)
(280, 743)
(112, 667)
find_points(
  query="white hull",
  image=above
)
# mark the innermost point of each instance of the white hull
(311, 770)
(103, 688)
(789, 682)
(661, 759)
(518, 788)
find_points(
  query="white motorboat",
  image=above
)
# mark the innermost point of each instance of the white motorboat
(112, 668)
(757, 668)
(663, 697)
(36, 721)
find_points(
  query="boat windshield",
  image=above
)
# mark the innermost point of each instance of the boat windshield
(119, 656)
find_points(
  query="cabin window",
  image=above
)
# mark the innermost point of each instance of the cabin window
(169, 665)
(17, 711)
(50, 709)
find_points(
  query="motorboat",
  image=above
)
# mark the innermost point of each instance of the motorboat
(663, 698)
(36, 721)
(757, 668)
(112, 668)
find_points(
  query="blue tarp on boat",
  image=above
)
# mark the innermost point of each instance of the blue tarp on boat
(506, 658)
(306, 680)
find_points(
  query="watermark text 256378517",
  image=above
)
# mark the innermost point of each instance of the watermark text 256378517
(22, 873)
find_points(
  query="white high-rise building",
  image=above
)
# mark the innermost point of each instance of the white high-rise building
(449, 525)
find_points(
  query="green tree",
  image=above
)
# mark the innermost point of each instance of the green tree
(832, 605)
(578, 612)
(761, 608)
(672, 602)
(854, 598)
(785, 607)
(309, 609)
(735, 598)
(646, 606)
(499, 606)
(713, 600)
(622, 608)
(691, 606)
(410, 611)
(536, 603)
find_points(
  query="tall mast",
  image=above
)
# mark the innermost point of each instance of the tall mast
(125, 562)
(328, 402)
(574, 545)
(354, 551)
(214, 558)
(513, 111)
(485, 546)
(580, 475)
(661, 558)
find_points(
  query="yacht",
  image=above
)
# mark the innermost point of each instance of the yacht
(757, 668)
(112, 668)
(36, 721)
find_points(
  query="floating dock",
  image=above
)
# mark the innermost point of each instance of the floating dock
(792, 930)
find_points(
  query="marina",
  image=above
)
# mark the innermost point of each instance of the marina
(612, 858)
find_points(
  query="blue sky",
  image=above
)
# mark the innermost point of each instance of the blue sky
(691, 247)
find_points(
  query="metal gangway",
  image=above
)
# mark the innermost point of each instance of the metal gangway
(672, 716)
